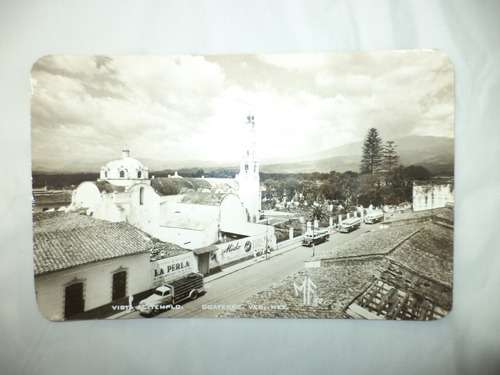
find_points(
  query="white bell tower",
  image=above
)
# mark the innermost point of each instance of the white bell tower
(248, 178)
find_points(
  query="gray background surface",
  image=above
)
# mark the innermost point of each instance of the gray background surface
(466, 342)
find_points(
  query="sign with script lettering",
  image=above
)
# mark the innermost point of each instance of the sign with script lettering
(234, 250)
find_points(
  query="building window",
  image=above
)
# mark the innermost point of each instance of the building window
(139, 174)
(122, 174)
(141, 196)
(105, 174)
(74, 303)
(246, 167)
(119, 285)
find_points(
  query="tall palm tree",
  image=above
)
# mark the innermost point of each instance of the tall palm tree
(318, 213)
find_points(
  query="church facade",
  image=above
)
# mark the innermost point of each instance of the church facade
(121, 235)
(190, 212)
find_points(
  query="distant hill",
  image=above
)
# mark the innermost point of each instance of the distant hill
(434, 153)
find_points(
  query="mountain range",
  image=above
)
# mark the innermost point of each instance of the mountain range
(434, 153)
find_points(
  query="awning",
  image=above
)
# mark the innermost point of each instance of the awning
(204, 250)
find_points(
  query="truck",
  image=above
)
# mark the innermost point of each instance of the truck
(315, 237)
(170, 294)
(349, 225)
(374, 217)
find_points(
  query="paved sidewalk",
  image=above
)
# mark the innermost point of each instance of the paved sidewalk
(248, 263)
(239, 266)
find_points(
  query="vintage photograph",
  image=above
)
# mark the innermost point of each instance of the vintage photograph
(316, 186)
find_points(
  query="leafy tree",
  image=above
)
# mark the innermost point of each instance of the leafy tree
(348, 186)
(332, 187)
(308, 189)
(416, 172)
(290, 187)
(329, 191)
(371, 159)
(274, 188)
(369, 190)
(62, 180)
(400, 188)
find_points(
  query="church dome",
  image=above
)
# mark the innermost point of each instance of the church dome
(124, 171)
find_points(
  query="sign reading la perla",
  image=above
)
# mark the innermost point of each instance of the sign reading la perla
(168, 269)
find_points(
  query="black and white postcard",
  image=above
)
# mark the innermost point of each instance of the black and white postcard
(244, 186)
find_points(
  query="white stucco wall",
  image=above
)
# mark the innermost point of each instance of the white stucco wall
(144, 212)
(109, 209)
(87, 195)
(97, 279)
(232, 210)
(427, 197)
(188, 238)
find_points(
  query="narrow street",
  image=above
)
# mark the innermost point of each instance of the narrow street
(235, 287)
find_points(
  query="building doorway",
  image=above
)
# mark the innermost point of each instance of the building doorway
(203, 263)
(73, 302)
(119, 285)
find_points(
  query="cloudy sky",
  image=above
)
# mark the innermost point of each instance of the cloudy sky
(175, 108)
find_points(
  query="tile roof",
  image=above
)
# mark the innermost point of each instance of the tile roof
(173, 186)
(378, 239)
(108, 187)
(189, 220)
(64, 240)
(168, 249)
(59, 197)
(430, 252)
(204, 198)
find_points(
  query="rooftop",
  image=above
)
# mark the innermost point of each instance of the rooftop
(108, 187)
(435, 181)
(125, 162)
(48, 198)
(173, 186)
(191, 218)
(203, 198)
(64, 240)
(396, 271)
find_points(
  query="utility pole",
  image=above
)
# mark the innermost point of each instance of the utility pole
(314, 248)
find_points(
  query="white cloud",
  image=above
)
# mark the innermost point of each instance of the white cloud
(194, 107)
